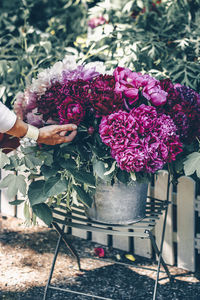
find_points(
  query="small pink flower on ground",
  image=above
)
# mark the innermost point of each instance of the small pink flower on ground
(99, 252)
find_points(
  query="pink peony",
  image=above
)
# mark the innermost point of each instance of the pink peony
(141, 140)
(129, 84)
(153, 93)
(20, 105)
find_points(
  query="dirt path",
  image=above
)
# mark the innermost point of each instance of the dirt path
(26, 255)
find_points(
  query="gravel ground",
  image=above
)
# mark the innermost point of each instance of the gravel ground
(26, 255)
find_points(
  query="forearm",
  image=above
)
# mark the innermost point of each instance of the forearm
(19, 129)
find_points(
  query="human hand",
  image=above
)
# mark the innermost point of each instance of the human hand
(56, 134)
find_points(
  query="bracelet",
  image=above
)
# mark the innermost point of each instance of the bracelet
(32, 133)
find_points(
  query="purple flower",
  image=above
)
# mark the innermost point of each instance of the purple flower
(31, 100)
(183, 106)
(35, 119)
(79, 73)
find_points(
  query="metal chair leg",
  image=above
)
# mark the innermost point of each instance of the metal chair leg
(68, 244)
(52, 268)
(159, 255)
(159, 252)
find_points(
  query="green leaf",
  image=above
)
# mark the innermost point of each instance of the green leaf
(100, 169)
(54, 186)
(46, 45)
(4, 160)
(14, 183)
(49, 171)
(16, 202)
(43, 212)
(31, 161)
(84, 197)
(47, 157)
(14, 163)
(36, 193)
(68, 164)
(83, 177)
(192, 164)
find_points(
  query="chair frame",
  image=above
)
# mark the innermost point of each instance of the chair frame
(154, 208)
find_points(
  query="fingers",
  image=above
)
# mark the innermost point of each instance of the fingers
(56, 134)
(65, 127)
(66, 139)
(63, 133)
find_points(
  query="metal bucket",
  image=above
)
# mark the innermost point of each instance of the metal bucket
(119, 204)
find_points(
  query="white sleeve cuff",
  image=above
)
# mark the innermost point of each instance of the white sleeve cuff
(7, 118)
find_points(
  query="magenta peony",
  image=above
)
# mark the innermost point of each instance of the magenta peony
(141, 140)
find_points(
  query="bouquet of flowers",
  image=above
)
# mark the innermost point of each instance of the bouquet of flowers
(130, 125)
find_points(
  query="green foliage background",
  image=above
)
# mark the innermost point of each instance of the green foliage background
(33, 35)
(163, 39)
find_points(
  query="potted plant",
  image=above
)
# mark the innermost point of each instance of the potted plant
(130, 125)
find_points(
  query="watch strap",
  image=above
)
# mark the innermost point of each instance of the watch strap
(32, 133)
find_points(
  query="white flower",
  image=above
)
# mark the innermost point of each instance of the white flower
(47, 76)
(99, 66)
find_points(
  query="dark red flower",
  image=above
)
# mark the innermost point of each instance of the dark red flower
(103, 97)
(167, 86)
(79, 89)
(47, 103)
(183, 105)
(71, 111)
